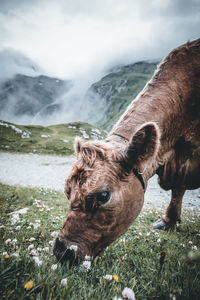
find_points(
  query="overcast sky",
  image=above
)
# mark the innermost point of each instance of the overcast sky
(73, 38)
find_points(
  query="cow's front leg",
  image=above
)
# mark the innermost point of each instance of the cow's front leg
(173, 212)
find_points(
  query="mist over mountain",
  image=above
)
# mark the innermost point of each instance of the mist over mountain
(26, 99)
(45, 100)
(14, 62)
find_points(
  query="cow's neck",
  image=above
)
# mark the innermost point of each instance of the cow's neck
(156, 103)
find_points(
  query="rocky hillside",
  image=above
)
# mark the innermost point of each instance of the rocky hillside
(55, 139)
(109, 97)
(30, 99)
(27, 96)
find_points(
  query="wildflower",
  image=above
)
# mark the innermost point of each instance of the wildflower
(32, 239)
(137, 237)
(4, 237)
(54, 267)
(36, 226)
(33, 253)
(115, 277)
(87, 257)
(108, 277)
(14, 242)
(29, 285)
(128, 294)
(46, 249)
(16, 254)
(39, 249)
(5, 253)
(73, 247)
(8, 242)
(51, 243)
(159, 241)
(194, 247)
(86, 265)
(31, 247)
(37, 261)
(7, 256)
(2, 227)
(63, 282)
(190, 243)
(54, 234)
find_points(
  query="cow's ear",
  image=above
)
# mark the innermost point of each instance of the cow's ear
(144, 144)
(77, 145)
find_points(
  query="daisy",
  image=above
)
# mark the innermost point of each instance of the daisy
(108, 277)
(63, 282)
(128, 294)
(73, 247)
(54, 267)
(37, 261)
(86, 265)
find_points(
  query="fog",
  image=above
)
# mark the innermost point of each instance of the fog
(81, 40)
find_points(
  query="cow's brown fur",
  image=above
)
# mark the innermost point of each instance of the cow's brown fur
(158, 133)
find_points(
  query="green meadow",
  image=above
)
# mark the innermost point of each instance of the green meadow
(154, 264)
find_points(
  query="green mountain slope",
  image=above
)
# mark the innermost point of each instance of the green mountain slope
(110, 96)
(55, 139)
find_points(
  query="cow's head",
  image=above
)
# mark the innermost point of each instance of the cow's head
(105, 196)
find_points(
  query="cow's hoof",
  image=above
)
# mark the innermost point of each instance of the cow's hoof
(162, 225)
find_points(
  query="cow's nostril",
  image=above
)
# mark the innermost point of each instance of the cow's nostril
(62, 253)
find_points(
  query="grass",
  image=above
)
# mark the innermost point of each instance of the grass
(54, 139)
(155, 269)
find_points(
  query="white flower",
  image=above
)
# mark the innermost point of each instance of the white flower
(46, 249)
(54, 267)
(2, 227)
(159, 240)
(128, 294)
(5, 253)
(31, 247)
(73, 247)
(8, 242)
(32, 239)
(54, 234)
(39, 249)
(87, 257)
(194, 247)
(14, 242)
(16, 254)
(107, 277)
(51, 243)
(190, 243)
(36, 226)
(63, 282)
(86, 265)
(32, 253)
(18, 227)
(37, 261)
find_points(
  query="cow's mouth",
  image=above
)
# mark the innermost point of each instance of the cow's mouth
(70, 254)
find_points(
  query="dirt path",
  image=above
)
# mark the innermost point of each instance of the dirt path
(32, 170)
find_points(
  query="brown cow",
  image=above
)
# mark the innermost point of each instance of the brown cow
(158, 133)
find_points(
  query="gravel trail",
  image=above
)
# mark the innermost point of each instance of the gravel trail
(32, 170)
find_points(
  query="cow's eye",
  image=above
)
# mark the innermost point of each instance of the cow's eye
(102, 198)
